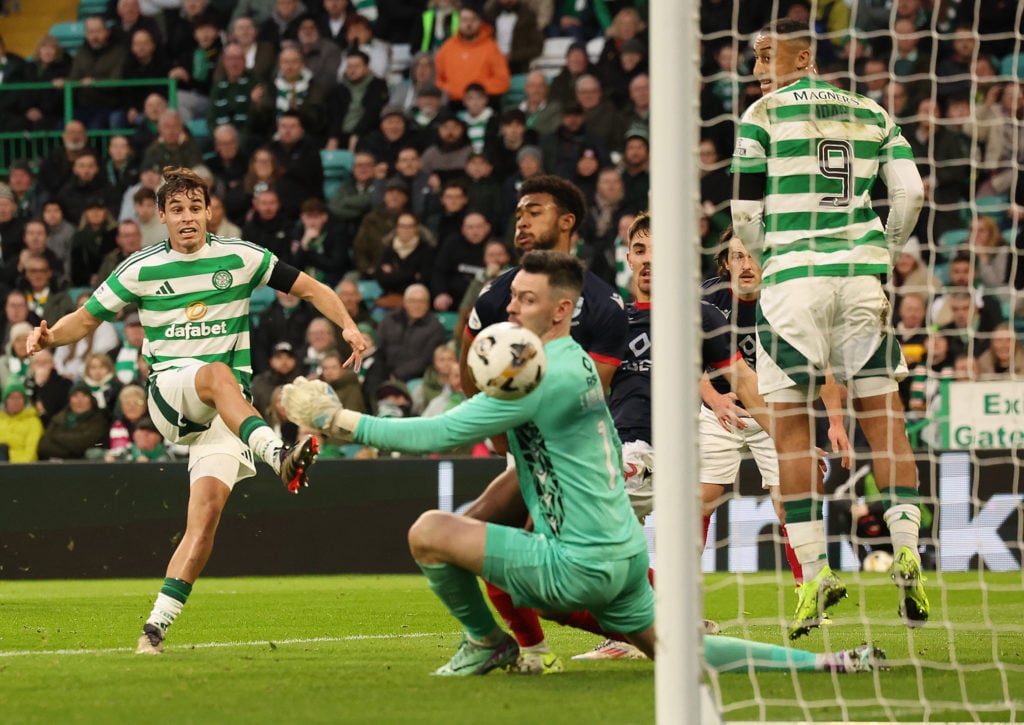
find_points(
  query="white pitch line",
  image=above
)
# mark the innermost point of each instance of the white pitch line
(211, 645)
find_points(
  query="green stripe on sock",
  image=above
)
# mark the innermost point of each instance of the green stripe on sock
(901, 494)
(249, 425)
(800, 510)
(176, 589)
(460, 592)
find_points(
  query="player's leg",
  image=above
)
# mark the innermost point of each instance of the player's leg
(762, 447)
(217, 387)
(502, 503)
(450, 550)
(799, 481)
(721, 452)
(212, 479)
(872, 373)
(728, 654)
(881, 419)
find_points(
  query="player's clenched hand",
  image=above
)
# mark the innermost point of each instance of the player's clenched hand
(313, 404)
(38, 339)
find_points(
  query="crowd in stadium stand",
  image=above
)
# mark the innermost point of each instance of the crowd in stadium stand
(436, 112)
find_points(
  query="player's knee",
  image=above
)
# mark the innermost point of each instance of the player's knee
(423, 534)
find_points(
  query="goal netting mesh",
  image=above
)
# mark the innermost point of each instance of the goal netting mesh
(951, 74)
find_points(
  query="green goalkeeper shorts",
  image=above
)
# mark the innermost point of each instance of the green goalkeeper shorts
(541, 572)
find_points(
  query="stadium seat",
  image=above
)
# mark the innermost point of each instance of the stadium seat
(1013, 65)
(552, 58)
(369, 290)
(337, 165)
(515, 93)
(74, 292)
(70, 35)
(996, 207)
(952, 239)
(198, 129)
(448, 320)
(91, 7)
(262, 298)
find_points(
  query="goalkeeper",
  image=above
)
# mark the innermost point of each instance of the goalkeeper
(587, 550)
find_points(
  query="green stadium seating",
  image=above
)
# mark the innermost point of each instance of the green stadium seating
(337, 165)
(516, 92)
(91, 7)
(262, 298)
(448, 320)
(70, 35)
(1013, 65)
(369, 290)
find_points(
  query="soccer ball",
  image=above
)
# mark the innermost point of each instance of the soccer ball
(877, 561)
(506, 361)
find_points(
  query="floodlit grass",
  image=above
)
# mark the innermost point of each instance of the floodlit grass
(359, 649)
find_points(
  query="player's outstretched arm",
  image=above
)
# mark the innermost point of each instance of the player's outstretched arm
(327, 302)
(312, 404)
(72, 327)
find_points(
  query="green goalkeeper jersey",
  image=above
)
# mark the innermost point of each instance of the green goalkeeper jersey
(820, 148)
(568, 455)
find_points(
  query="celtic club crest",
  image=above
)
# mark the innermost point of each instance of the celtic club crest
(222, 279)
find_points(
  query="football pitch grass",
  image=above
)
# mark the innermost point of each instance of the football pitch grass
(360, 649)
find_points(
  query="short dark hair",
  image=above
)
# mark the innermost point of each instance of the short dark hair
(567, 196)
(563, 271)
(143, 193)
(359, 54)
(179, 179)
(789, 30)
(291, 113)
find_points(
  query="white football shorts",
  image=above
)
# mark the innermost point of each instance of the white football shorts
(181, 417)
(814, 321)
(721, 451)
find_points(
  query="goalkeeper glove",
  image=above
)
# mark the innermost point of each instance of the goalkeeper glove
(314, 404)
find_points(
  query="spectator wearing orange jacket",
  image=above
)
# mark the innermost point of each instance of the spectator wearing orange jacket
(471, 56)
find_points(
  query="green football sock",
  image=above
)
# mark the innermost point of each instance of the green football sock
(728, 654)
(459, 591)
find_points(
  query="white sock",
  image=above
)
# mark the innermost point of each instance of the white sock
(265, 444)
(904, 522)
(541, 648)
(808, 541)
(165, 610)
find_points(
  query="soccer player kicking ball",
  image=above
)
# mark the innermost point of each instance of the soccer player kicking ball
(193, 293)
(588, 550)
(807, 154)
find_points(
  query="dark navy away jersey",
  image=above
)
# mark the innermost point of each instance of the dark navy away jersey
(599, 323)
(742, 317)
(630, 398)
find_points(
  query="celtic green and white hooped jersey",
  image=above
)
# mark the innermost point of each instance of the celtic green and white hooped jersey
(193, 307)
(821, 148)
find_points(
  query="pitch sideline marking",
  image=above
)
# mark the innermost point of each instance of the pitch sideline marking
(212, 645)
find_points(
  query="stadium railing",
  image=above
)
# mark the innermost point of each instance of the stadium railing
(36, 144)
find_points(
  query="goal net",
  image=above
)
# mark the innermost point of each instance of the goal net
(951, 75)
